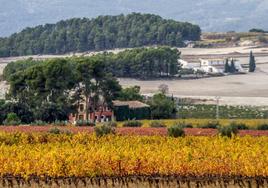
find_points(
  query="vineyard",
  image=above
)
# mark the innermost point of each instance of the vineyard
(126, 131)
(84, 159)
(225, 112)
(251, 123)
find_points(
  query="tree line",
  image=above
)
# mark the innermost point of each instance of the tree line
(103, 32)
(257, 30)
(141, 63)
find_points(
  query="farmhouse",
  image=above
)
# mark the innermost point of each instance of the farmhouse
(218, 65)
(186, 65)
(120, 111)
(211, 66)
(101, 114)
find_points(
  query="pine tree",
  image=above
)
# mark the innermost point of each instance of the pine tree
(227, 66)
(232, 67)
(252, 63)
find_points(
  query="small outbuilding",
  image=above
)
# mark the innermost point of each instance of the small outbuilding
(127, 110)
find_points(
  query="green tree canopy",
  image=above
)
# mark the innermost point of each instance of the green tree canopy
(252, 62)
(162, 107)
(103, 32)
(142, 63)
(232, 67)
(255, 30)
(227, 66)
(130, 94)
(51, 88)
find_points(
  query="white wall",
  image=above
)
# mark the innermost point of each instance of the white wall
(211, 69)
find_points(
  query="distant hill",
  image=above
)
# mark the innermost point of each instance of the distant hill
(103, 32)
(211, 15)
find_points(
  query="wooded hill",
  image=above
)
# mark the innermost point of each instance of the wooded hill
(103, 32)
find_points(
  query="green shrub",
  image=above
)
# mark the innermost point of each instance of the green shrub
(12, 119)
(176, 131)
(262, 127)
(85, 123)
(157, 124)
(210, 125)
(39, 123)
(132, 123)
(60, 123)
(55, 130)
(239, 126)
(111, 124)
(184, 124)
(102, 130)
(228, 131)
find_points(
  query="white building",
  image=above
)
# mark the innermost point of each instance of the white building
(186, 65)
(210, 66)
(218, 65)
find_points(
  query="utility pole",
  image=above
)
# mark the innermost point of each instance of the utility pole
(217, 106)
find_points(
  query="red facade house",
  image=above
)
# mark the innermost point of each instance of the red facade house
(102, 114)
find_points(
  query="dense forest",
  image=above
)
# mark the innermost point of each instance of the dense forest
(103, 32)
(141, 63)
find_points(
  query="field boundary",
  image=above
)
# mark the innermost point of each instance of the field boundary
(127, 181)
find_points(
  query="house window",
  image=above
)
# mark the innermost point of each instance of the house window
(81, 117)
(81, 107)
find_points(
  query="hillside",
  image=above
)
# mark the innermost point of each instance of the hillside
(103, 32)
(211, 15)
(232, 39)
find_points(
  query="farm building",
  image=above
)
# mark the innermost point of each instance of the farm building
(217, 65)
(120, 111)
(210, 66)
(127, 110)
(186, 65)
(102, 114)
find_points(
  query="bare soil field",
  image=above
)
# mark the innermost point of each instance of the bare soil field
(243, 89)
(135, 182)
(226, 51)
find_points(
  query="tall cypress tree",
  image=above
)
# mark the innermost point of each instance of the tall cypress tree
(252, 62)
(227, 66)
(232, 67)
